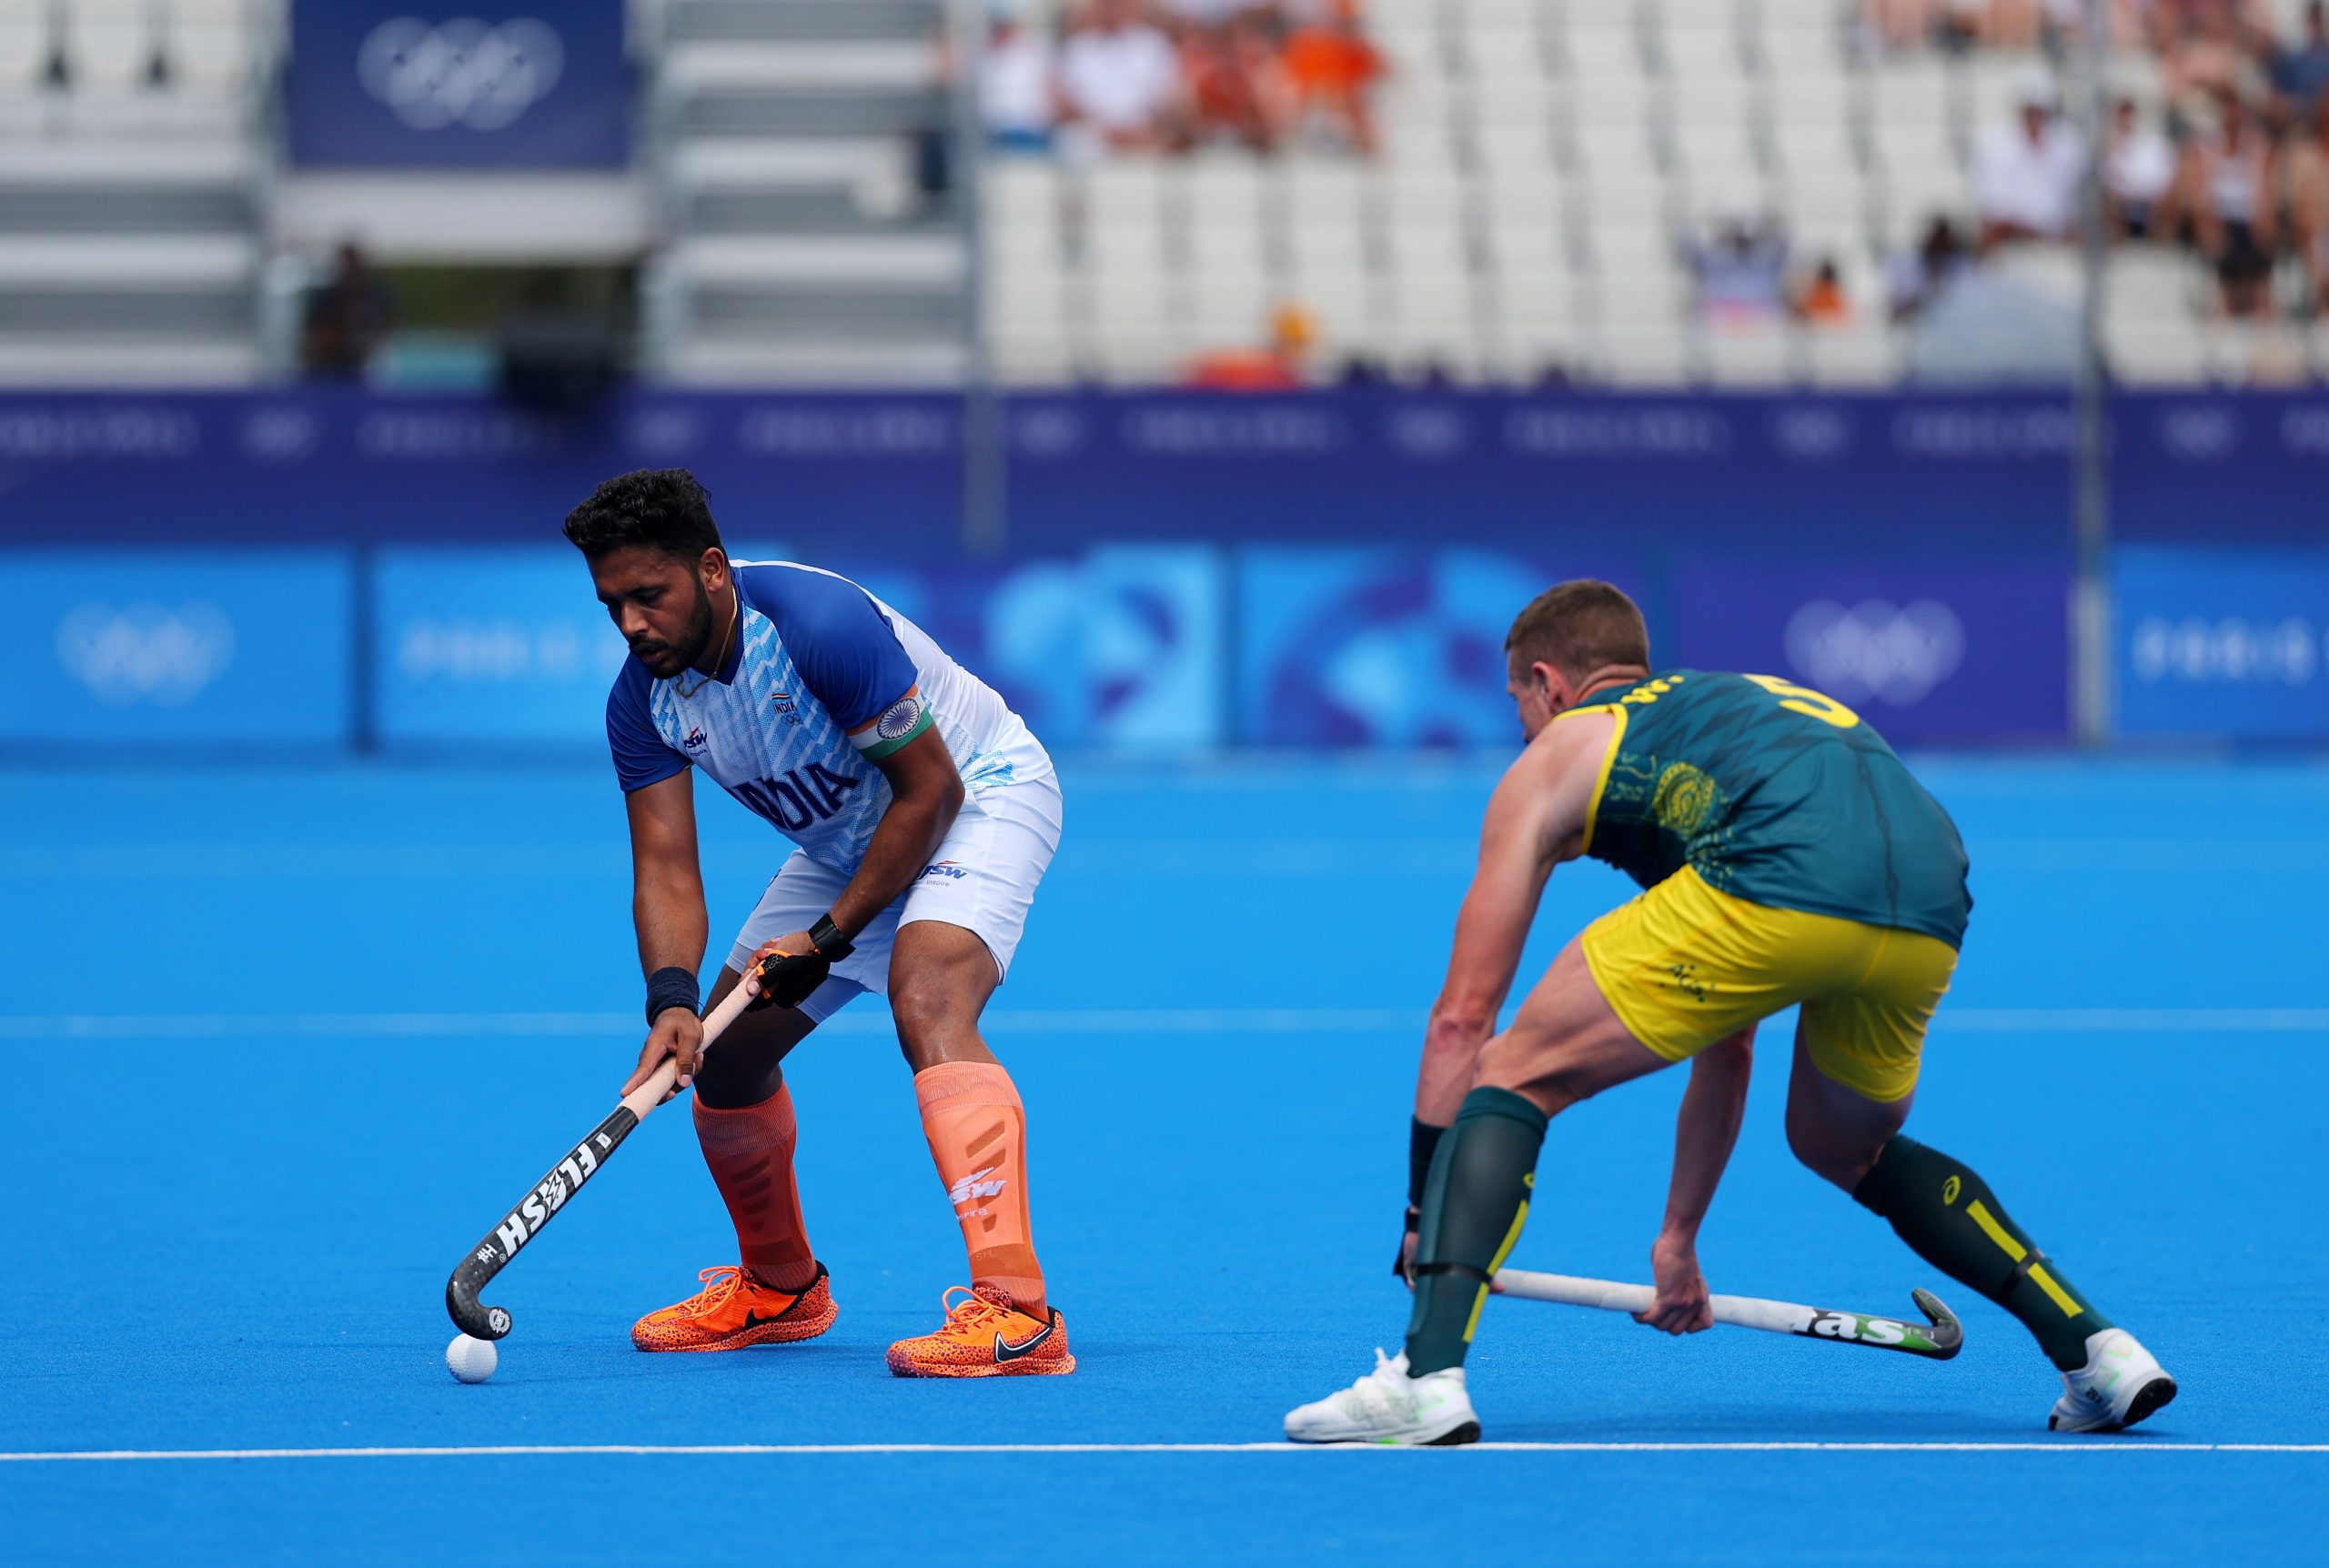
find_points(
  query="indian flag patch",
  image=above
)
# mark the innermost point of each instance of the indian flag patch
(900, 722)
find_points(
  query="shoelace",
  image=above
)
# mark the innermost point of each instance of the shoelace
(973, 1311)
(721, 1279)
(1376, 1396)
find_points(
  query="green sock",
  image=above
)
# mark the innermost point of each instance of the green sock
(1953, 1222)
(1473, 1205)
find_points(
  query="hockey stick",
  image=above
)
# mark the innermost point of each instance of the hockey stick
(1938, 1340)
(565, 1179)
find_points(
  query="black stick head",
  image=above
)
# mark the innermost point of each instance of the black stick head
(470, 1315)
(1947, 1334)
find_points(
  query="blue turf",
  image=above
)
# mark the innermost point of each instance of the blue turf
(240, 1240)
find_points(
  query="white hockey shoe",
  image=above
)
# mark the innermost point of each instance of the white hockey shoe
(2118, 1386)
(1387, 1406)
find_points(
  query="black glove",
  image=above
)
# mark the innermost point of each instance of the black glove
(787, 979)
(1402, 1268)
(1423, 1142)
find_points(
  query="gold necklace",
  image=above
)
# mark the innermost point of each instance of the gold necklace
(734, 615)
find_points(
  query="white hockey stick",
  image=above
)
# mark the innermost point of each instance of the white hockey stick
(1938, 1339)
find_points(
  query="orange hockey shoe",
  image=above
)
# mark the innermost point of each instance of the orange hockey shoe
(734, 1310)
(983, 1337)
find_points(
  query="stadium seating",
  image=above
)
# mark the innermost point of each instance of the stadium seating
(801, 248)
(1546, 167)
(131, 169)
(1545, 162)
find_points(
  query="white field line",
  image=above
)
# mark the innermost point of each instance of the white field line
(497, 1451)
(1073, 1021)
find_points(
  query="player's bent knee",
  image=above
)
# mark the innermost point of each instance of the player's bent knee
(935, 1022)
(1841, 1156)
(1532, 1065)
(747, 1065)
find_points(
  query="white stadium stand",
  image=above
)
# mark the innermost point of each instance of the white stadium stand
(1545, 167)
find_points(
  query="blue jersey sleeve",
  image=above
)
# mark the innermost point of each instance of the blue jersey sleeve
(640, 756)
(845, 648)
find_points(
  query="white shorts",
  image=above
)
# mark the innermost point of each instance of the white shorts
(982, 878)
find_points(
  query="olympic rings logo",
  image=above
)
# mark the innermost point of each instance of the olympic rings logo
(460, 72)
(1875, 649)
(145, 652)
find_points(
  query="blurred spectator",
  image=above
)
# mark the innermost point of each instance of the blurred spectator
(1238, 89)
(1333, 71)
(2125, 21)
(2026, 174)
(1282, 365)
(1121, 77)
(1989, 23)
(2224, 191)
(2138, 167)
(2206, 50)
(2304, 186)
(1924, 274)
(1018, 99)
(347, 315)
(1900, 26)
(2300, 72)
(1183, 16)
(1740, 271)
(1821, 301)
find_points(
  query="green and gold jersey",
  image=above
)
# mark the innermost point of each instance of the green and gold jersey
(1774, 794)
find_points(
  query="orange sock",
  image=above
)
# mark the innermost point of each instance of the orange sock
(978, 1136)
(749, 1151)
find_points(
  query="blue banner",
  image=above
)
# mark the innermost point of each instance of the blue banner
(1390, 647)
(428, 83)
(1916, 473)
(2209, 468)
(490, 646)
(110, 648)
(1539, 472)
(1120, 649)
(1926, 649)
(2222, 642)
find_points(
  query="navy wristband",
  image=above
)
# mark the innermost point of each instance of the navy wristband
(1423, 1142)
(826, 938)
(670, 987)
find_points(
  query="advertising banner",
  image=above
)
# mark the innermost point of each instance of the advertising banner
(1385, 646)
(1933, 649)
(2221, 643)
(1119, 651)
(491, 647)
(1122, 649)
(1543, 474)
(207, 647)
(431, 83)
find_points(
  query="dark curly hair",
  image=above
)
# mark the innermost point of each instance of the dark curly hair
(661, 510)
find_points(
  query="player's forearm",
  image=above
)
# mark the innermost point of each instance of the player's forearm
(904, 841)
(1705, 1132)
(1451, 1049)
(667, 910)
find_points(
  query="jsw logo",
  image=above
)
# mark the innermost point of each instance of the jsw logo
(975, 1187)
(951, 870)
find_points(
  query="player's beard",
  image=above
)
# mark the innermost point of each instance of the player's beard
(692, 644)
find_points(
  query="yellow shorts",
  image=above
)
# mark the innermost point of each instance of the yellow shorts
(1684, 965)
